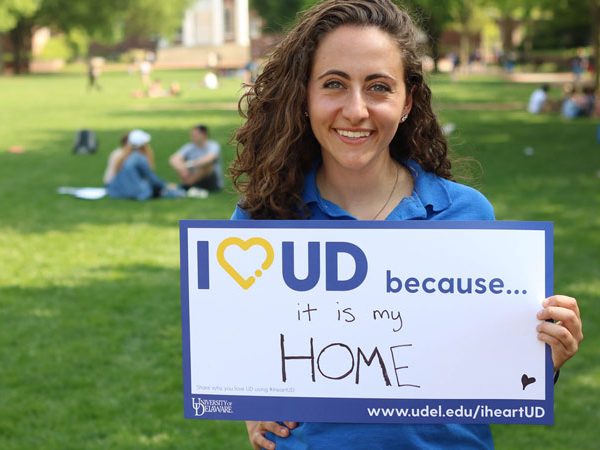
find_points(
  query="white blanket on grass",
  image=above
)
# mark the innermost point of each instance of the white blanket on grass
(85, 193)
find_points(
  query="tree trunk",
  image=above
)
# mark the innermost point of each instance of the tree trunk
(1, 54)
(465, 48)
(21, 37)
(595, 15)
(435, 53)
(507, 26)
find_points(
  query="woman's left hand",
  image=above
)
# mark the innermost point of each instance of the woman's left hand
(565, 333)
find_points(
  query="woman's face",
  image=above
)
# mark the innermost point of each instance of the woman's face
(356, 96)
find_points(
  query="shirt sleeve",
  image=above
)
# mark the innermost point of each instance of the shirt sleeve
(109, 173)
(240, 214)
(214, 148)
(183, 151)
(469, 203)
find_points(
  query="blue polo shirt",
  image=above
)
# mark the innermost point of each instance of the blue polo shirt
(433, 198)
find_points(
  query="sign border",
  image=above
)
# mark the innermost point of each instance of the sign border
(244, 407)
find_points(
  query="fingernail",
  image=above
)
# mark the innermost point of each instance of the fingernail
(540, 314)
(539, 327)
(546, 302)
(283, 431)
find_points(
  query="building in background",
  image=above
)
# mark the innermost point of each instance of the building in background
(214, 33)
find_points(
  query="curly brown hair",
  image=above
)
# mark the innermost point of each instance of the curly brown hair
(276, 146)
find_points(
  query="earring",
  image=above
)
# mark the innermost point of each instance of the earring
(305, 113)
(403, 118)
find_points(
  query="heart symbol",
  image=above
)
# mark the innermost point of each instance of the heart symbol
(244, 245)
(526, 381)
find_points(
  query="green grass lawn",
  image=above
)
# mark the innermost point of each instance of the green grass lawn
(90, 347)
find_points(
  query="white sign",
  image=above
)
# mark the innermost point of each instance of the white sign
(415, 322)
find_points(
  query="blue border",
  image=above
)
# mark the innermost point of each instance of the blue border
(185, 318)
(319, 409)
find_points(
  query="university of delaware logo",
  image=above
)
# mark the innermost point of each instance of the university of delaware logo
(245, 245)
(246, 276)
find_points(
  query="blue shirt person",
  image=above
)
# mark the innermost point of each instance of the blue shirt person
(339, 126)
(433, 198)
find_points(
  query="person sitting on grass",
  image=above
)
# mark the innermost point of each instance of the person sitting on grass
(115, 155)
(578, 104)
(132, 176)
(198, 162)
(538, 101)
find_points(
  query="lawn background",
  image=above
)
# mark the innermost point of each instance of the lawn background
(90, 346)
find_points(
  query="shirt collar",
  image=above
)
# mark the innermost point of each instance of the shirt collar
(429, 192)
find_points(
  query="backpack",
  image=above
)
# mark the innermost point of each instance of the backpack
(85, 142)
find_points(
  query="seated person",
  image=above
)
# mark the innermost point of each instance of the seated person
(571, 105)
(114, 156)
(156, 89)
(175, 88)
(198, 162)
(579, 104)
(131, 175)
(588, 101)
(538, 99)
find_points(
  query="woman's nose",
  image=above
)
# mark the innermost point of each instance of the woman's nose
(355, 108)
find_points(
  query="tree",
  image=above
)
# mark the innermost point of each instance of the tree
(594, 6)
(467, 15)
(433, 16)
(10, 11)
(102, 20)
(277, 14)
(151, 18)
(570, 23)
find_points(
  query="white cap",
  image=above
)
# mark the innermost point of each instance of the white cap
(138, 138)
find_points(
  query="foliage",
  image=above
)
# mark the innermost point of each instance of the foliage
(433, 17)
(57, 47)
(12, 10)
(277, 15)
(151, 18)
(107, 20)
(567, 26)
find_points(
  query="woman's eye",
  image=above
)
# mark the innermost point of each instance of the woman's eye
(380, 88)
(333, 84)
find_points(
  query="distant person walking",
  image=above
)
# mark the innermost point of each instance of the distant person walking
(94, 71)
(578, 66)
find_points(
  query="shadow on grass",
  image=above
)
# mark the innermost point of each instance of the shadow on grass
(98, 365)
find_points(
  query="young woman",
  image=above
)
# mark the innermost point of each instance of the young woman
(340, 127)
(130, 172)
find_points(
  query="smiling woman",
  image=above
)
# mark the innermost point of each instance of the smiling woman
(340, 127)
(362, 51)
(356, 101)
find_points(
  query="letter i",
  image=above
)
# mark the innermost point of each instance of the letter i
(202, 258)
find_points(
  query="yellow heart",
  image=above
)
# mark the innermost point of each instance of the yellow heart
(244, 245)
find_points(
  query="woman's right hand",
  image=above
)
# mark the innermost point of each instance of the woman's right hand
(257, 430)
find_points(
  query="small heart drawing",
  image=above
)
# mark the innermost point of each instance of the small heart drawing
(245, 283)
(526, 381)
